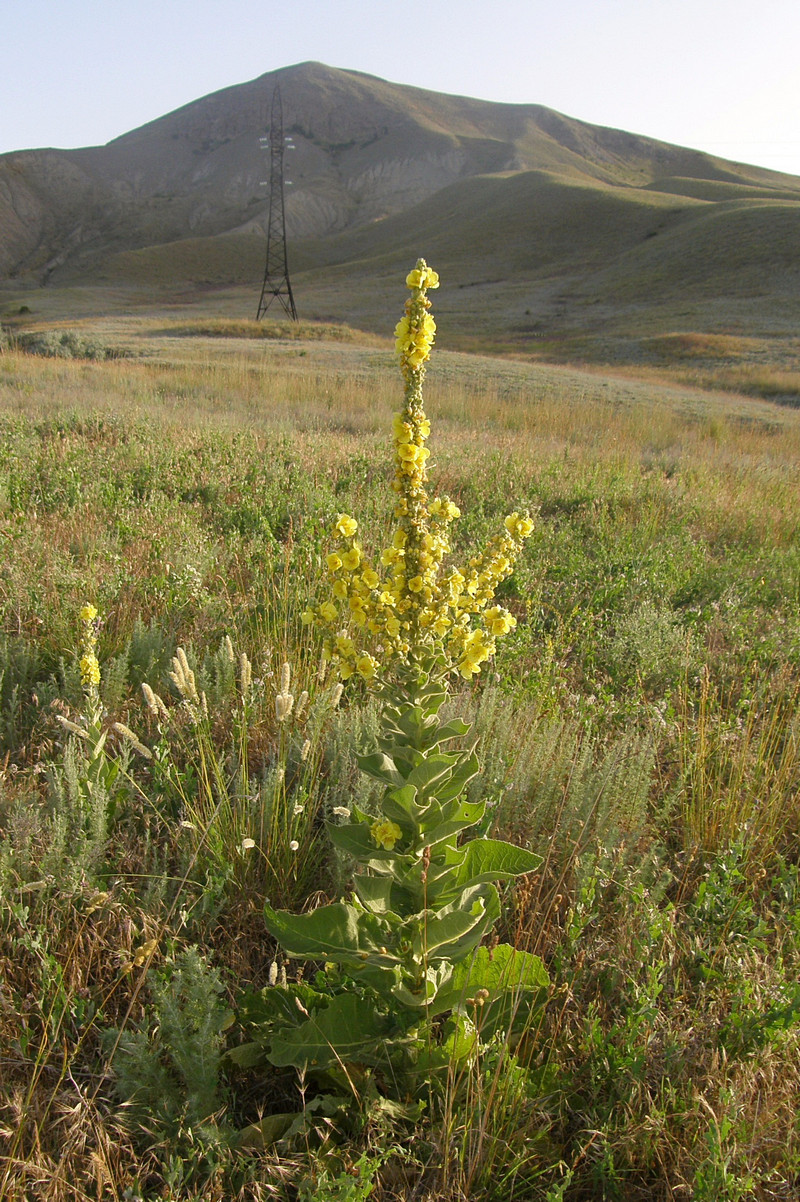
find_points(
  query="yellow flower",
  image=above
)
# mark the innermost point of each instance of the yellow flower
(499, 620)
(385, 833)
(366, 666)
(518, 527)
(334, 562)
(345, 525)
(408, 451)
(88, 613)
(416, 584)
(307, 617)
(351, 559)
(371, 578)
(328, 611)
(422, 277)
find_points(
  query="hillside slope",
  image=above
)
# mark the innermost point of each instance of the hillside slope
(522, 184)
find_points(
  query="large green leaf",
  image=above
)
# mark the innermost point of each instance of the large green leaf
(382, 895)
(486, 860)
(462, 815)
(278, 1004)
(459, 779)
(381, 767)
(348, 1029)
(433, 769)
(503, 971)
(400, 805)
(456, 929)
(335, 932)
(453, 729)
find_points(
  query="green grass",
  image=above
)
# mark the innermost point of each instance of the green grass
(639, 730)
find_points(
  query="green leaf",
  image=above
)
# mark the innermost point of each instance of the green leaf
(454, 729)
(382, 895)
(247, 1055)
(433, 769)
(459, 780)
(503, 971)
(334, 932)
(380, 767)
(464, 815)
(349, 1028)
(400, 805)
(267, 1132)
(456, 929)
(487, 860)
(258, 1011)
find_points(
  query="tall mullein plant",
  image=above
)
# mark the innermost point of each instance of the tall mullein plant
(406, 948)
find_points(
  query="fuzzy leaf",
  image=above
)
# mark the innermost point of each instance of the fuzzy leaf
(488, 860)
(453, 729)
(463, 815)
(460, 778)
(334, 932)
(347, 1029)
(454, 931)
(432, 769)
(502, 971)
(380, 767)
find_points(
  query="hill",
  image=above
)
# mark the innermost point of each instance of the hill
(546, 227)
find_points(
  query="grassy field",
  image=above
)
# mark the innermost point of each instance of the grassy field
(640, 730)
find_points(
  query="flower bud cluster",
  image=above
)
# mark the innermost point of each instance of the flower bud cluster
(408, 602)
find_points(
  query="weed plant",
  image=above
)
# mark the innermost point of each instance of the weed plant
(639, 733)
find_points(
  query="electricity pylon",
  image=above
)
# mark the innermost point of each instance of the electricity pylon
(276, 272)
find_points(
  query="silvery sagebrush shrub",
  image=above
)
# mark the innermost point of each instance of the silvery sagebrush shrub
(408, 990)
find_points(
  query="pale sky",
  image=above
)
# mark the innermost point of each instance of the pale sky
(716, 75)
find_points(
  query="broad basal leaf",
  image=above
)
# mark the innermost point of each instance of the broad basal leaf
(348, 1029)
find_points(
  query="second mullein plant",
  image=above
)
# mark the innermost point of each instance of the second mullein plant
(408, 988)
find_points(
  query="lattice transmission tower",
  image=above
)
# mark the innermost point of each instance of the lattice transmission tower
(277, 285)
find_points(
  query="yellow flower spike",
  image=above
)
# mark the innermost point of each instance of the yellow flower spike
(423, 607)
(90, 669)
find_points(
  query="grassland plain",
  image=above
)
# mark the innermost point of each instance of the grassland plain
(640, 732)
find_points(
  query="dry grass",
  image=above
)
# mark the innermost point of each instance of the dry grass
(648, 488)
